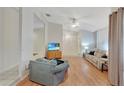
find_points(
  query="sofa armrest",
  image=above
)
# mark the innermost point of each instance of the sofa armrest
(104, 60)
(60, 67)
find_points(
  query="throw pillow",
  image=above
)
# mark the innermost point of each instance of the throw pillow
(53, 61)
(59, 62)
(104, 56)
(92, 52)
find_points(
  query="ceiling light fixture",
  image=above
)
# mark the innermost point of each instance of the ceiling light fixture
(74, 23)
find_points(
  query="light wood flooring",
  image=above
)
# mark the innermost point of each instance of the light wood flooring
(80, 73)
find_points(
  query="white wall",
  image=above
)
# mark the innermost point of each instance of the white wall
(87, 39)
(9, 45)
(55, 33)
(42, 18)
(26, 36)
(70, 43)
(74, 42)
(102, 39)
(11, 39)
(1, 40)
(26, 29)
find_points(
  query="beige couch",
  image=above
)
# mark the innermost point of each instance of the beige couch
(96, 59)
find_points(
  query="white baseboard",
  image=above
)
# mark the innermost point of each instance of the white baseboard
(20, 79)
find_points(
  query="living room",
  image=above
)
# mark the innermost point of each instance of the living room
(76, 32)
(73, 40)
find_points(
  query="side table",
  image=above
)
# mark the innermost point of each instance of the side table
(104, 65)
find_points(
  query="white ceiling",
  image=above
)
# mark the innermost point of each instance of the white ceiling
(89, 18)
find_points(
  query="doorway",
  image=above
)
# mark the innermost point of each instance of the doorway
(38, 37)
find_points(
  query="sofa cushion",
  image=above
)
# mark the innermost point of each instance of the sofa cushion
(104, 56)
(59, 61)
(46, 61)
(60, 67)
(91, 52)
(97, 59)
(41, 59)
(98, 54)
(53, 61)
(93, 59)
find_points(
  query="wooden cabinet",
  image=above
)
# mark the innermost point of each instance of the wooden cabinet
(54, 54)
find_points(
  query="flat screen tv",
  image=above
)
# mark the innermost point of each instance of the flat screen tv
(53, 46)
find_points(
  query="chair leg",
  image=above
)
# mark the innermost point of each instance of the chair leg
(102, 68)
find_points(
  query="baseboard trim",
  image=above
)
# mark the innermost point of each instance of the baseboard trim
(20, 79)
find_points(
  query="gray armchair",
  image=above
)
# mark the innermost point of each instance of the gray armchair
(46, 72)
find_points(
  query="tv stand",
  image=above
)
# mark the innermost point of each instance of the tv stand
(54, 54)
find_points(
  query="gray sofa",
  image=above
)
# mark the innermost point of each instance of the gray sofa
(97, 59)
(47, 72)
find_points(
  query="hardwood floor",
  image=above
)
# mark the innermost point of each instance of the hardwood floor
(80, 73)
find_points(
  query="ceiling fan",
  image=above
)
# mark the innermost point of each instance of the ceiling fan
(74, 23)
(70, 22)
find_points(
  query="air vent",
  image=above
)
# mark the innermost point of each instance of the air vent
(48, 15)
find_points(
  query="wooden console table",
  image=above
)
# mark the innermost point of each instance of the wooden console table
(54, 54)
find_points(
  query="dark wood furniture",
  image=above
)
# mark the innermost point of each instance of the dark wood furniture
(54, 54)
(104, 67)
